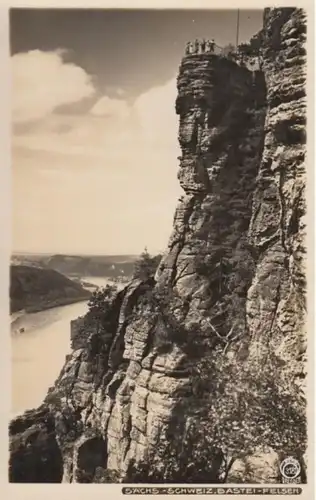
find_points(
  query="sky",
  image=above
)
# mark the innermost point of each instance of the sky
(94, 129)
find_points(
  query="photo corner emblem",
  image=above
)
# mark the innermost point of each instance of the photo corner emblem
(290, 469)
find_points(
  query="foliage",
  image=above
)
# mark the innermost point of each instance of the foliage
(252, 405)
(100, 305)
(251, 51)
(243, 407)
(229, 51)
(162, 309)
(229, 267)
(145, 267)
(106, 476)
(177, 459)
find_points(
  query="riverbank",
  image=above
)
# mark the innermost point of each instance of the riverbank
(60, 302)
(34, 289)
(40, 342)
(39, 353)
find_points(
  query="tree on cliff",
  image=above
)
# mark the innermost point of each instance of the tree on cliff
(182, 455)
(229, 51)
(252, 406)
(100, 305)
(145, 267)
(251, 50)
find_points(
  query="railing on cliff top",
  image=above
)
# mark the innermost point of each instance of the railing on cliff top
(228, 52)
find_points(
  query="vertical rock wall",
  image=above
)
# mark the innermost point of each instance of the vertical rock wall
(222, 110)
(276, 299)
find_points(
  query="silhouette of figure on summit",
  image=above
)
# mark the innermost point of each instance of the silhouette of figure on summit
(200, 46)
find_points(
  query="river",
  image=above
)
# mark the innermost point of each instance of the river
(38, 353)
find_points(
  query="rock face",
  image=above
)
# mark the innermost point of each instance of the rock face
(37, 457)
(234, 263)
(277, 227)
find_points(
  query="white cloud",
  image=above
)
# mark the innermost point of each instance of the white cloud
(104, 181)
(111, 108)
(41, 82)
(112, 129)
(156, 112)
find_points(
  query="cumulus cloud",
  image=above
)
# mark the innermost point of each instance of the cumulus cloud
(112, 108)
(42, 81)
(116, 155)
(112, 129)
(156, 114)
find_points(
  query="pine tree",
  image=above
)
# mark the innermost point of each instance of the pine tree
(145, 267)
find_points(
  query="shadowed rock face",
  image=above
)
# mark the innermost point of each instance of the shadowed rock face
(35, 455)
(277, 228)
(126, 389)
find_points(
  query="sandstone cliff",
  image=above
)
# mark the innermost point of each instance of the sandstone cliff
(229, 287)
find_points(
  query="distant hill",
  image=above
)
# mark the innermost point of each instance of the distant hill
(34, 289)
(81, 265)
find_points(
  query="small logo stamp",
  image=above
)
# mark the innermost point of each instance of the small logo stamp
(290, 469)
